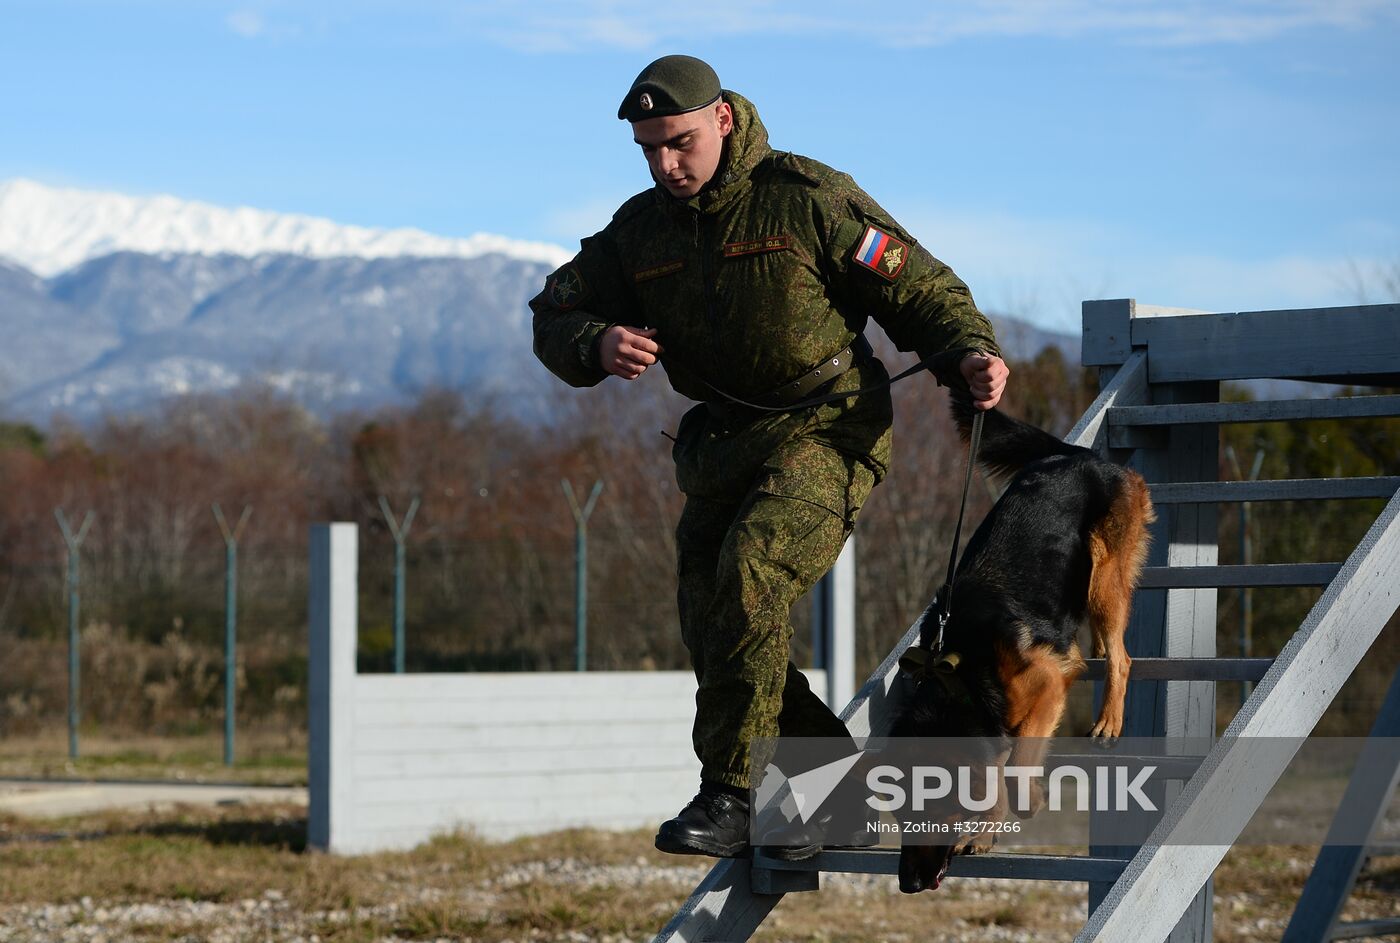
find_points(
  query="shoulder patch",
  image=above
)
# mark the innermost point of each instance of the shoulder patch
(566, 288)
(882, 253)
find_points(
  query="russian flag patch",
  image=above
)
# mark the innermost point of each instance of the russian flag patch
(882, 253)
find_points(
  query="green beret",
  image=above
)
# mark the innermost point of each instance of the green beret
(672, 85)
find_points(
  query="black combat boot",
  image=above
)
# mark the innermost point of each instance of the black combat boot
(715, 823)
(795, 841)
(844, 821)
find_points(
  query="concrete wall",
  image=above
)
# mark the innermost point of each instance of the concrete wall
(395, 759)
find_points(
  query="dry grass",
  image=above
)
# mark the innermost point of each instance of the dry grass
(244, 873)
(1256, 889)
(265, 757)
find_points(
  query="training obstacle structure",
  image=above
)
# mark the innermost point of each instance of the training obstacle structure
(1159, 411)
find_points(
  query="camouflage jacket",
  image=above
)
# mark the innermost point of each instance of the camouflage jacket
(750, 284)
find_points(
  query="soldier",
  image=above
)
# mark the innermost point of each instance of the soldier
(749, 273)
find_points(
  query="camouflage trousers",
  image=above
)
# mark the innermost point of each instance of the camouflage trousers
(742, 565)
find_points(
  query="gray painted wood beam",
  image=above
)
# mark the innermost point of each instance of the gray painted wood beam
(1127, 387)
(722, 907)
(1365, 929)
(1025, 867)
(1185, 669)
(1361, 342)
(1340, 407)
(1368, 793)
(1162, 879)
(1254, 574)
(1283, 489)
(1175, 622)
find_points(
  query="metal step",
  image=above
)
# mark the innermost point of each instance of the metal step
(1284, 489)
(1254, 574)
(1010, 866)
(1186, 669)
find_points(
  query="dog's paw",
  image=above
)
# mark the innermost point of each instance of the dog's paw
(975, 843)
(983, 843)
(1035, 800)
(1105, 733)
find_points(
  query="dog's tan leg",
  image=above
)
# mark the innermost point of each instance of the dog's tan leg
(1109, 603)
(1117, 547)
(1035, 698)
(1116, 668)
(981, 842)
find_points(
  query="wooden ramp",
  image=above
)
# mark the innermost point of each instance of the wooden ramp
(1159, 410)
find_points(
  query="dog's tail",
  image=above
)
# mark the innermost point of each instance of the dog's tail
(1008, 444)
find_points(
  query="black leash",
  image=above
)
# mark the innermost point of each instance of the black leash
(829, 397)
(946, 594)
(915, 660)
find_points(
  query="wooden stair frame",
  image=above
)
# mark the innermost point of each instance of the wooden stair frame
(1158, 411)
(1317, 915)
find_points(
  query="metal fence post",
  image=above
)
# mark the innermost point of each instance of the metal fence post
(74, 542)
(1246, 552)
(581, 516)
(400, 534)
(230, 619)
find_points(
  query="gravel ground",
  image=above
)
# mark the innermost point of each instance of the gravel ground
(431, 896)
(273, 918)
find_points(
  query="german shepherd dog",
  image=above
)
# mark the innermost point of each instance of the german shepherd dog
(1063, 545)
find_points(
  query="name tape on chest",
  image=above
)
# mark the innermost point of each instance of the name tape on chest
(755, 246)
(656, 271)
(882, 253)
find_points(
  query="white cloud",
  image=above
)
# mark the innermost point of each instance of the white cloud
(560, 25)
(1041, 269)
(579, 32)
(1183, 22)
(246, 23)
(254, 24)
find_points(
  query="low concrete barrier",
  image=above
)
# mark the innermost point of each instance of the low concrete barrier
(395, 759)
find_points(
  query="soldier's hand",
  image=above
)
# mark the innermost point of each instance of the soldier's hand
(627, 351)
(986, 378)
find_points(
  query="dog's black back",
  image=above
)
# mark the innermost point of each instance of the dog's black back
(1062, 547)
(1023, 579)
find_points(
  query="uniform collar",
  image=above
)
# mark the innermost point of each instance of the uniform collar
(744, 148)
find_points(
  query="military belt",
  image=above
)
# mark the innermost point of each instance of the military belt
(823, 373)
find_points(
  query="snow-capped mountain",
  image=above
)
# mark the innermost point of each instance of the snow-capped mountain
(49, 230)
(122, 332)
(111, 304)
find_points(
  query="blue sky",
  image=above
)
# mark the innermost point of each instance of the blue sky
(1218, 155)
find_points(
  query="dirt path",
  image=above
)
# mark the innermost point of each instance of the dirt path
(34, 799)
